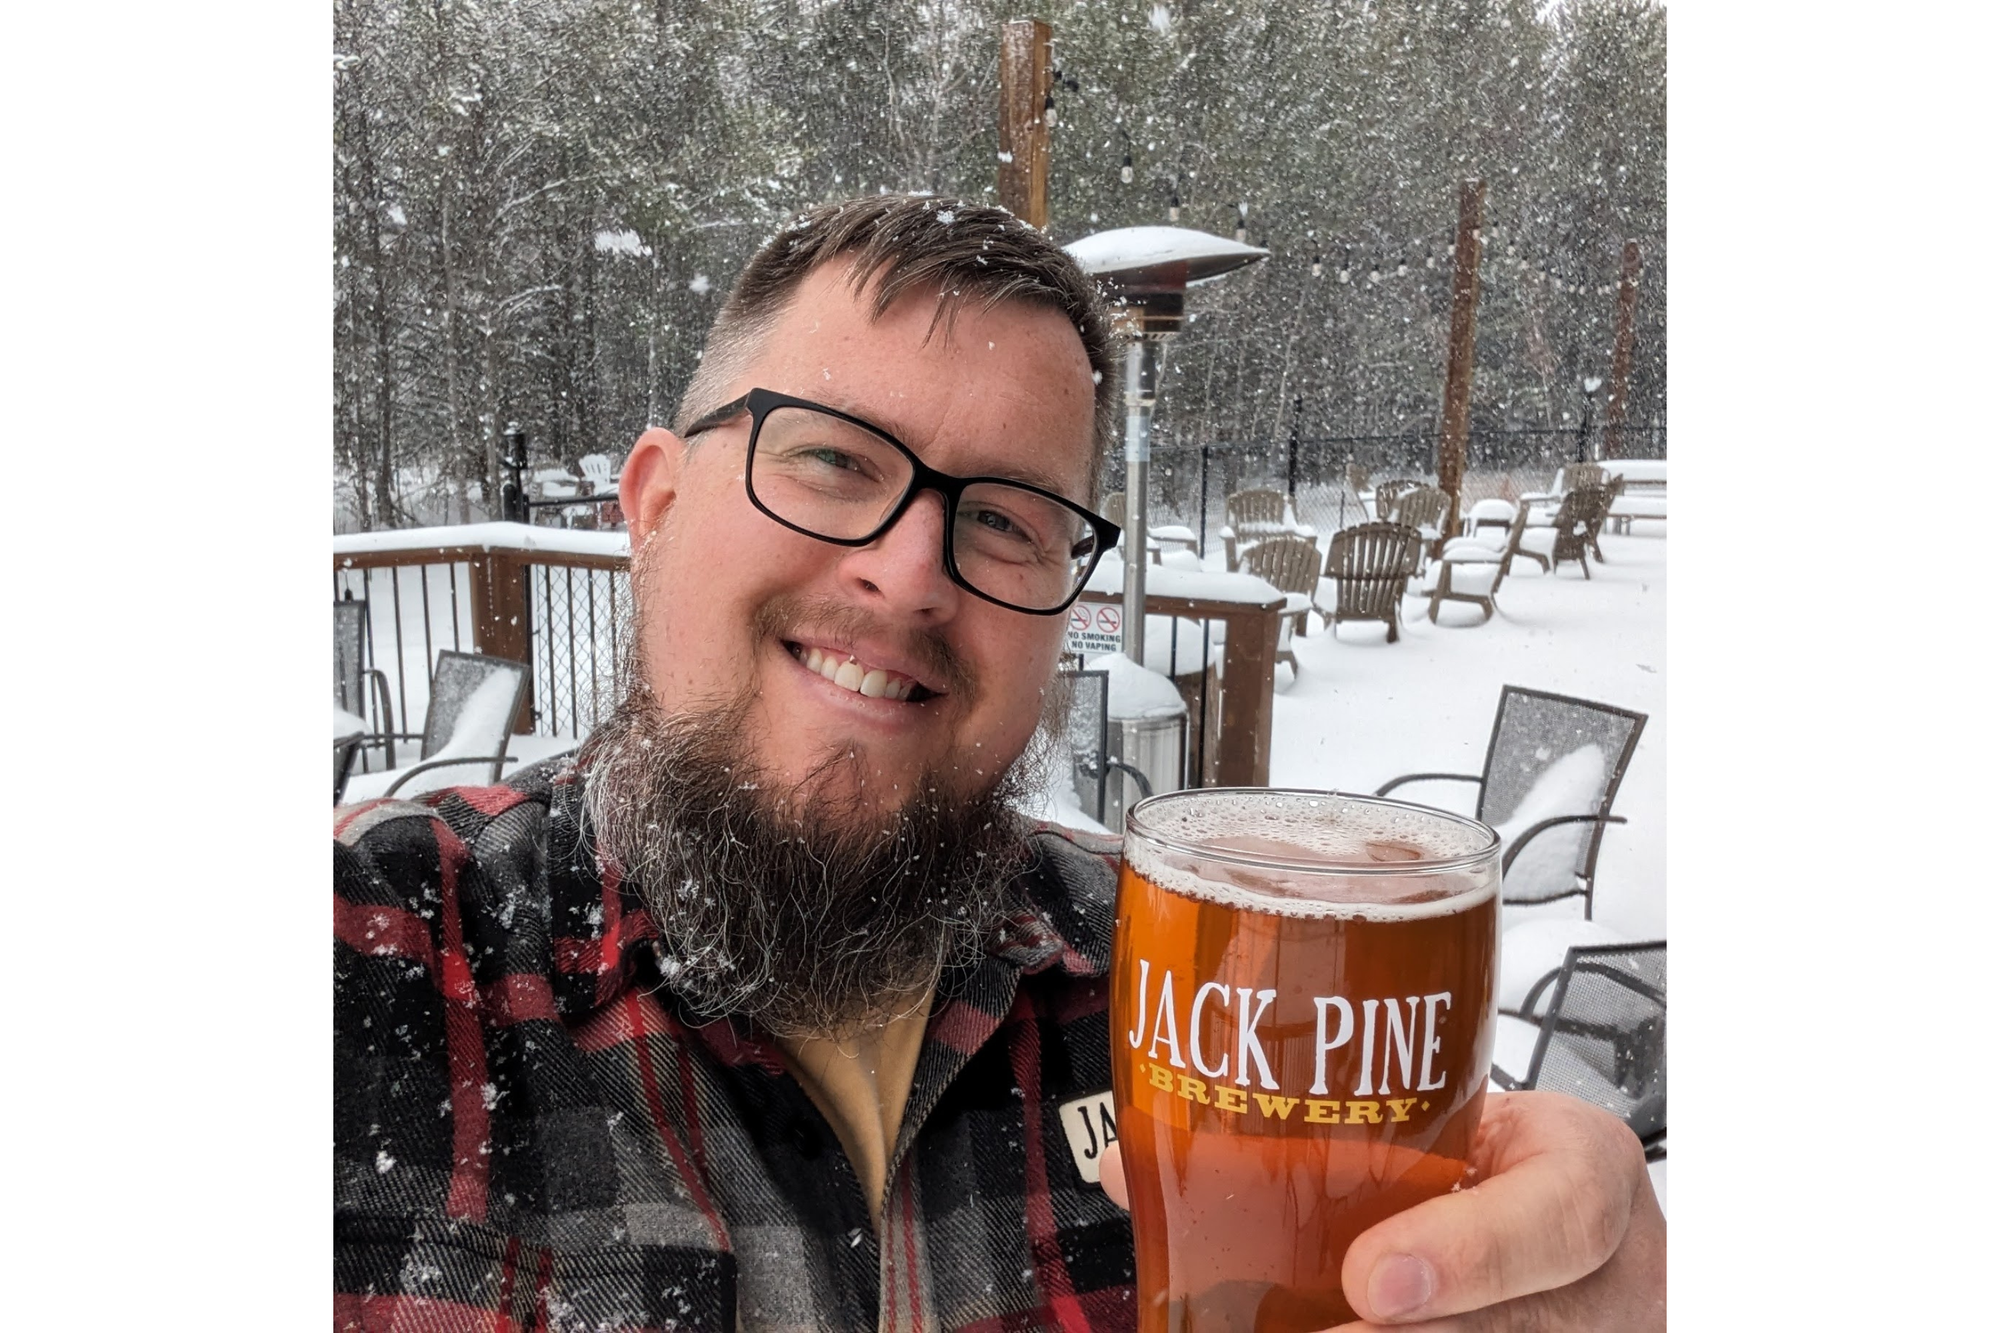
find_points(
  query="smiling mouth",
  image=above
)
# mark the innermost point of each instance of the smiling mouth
(848, 672)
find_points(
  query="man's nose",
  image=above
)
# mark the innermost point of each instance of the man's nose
(904, 567)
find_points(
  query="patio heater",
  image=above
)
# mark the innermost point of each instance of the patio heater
(1145, 272)
(513, 497)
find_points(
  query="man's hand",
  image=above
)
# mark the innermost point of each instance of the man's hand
(1561, 1232)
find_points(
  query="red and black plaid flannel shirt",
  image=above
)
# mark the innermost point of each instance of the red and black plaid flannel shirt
(530, 1133)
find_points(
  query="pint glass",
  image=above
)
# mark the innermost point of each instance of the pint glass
(1302, 1013)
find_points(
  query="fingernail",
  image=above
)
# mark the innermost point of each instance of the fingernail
(1401, 1284)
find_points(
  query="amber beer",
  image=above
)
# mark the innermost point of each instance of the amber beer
(1301, 1027)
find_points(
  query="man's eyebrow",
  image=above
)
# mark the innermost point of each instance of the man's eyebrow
(1028, 473)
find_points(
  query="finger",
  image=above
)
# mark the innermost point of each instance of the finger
(1562, 1179)
(1628, 1294)
(1111, 1175)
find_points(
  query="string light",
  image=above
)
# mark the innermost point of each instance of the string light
(1316, 266)
(1125, 171)
(1174, 205)
(1049, 108)
(1242, 221)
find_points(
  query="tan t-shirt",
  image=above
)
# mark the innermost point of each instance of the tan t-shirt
(861, 1084)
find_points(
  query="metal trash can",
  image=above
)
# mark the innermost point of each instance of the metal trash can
(1146, 741)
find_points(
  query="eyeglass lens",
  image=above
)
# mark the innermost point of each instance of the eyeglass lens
(837, 480)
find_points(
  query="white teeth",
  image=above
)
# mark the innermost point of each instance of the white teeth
(870, 682)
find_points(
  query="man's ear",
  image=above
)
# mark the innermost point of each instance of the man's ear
(650, 482)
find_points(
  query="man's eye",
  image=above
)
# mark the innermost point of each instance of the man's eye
(998, 522)
(834, 458)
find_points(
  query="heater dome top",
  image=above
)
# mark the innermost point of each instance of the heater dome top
(1160, 250)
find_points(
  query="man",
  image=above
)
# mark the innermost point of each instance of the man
(759, 1015)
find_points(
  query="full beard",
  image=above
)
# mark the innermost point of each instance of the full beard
(801, 906)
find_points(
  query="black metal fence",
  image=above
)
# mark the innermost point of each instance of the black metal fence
(576, 617)
(1189, 483)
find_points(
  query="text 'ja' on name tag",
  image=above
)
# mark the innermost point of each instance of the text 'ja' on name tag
(1091, 1128)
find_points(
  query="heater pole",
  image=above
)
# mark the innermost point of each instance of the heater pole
(1141, 368)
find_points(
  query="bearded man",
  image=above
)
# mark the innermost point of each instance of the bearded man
(760, 1013)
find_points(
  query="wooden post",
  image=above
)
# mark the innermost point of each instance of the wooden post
(1621, 354)
(1026, 70)
(500, 617)
(1458, 369)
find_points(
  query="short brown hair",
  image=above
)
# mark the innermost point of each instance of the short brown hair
(910, 242)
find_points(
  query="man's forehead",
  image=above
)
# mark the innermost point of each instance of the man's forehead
(933, 361)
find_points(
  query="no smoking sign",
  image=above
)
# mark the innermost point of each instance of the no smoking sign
(1094, 628)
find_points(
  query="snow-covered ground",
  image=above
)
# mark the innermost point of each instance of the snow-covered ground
(1362, 710)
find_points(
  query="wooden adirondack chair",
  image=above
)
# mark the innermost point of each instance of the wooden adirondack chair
(1388, 494)
(1572, 525)
(1291, 565)
(1113, 508)
(1252, 516)
(1472, 570)
(1367, 568)
(1574, 475)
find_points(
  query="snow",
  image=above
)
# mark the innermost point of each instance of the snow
(1636, 469)
(1207, 585)
(1135, 692)
(1532, 950)
(485, 536)
(619, 243)
(1361, 711)
(1566, 787)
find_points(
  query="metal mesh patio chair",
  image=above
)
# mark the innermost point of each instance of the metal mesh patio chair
(1367, 568)
(344, 750)
(474, 700)
(1604, 1037)
(353, 679)
(1291, 565)
(1251, 516)
(1553, 768)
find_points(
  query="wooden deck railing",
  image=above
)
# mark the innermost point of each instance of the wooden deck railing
(513, 591)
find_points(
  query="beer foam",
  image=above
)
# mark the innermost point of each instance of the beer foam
(1313, 855)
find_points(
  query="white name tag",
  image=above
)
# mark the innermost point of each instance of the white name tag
(1091, 1128)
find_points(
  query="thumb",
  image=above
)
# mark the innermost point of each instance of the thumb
(1111, 1175)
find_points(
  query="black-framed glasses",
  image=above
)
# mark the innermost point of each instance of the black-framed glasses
(832, 476)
